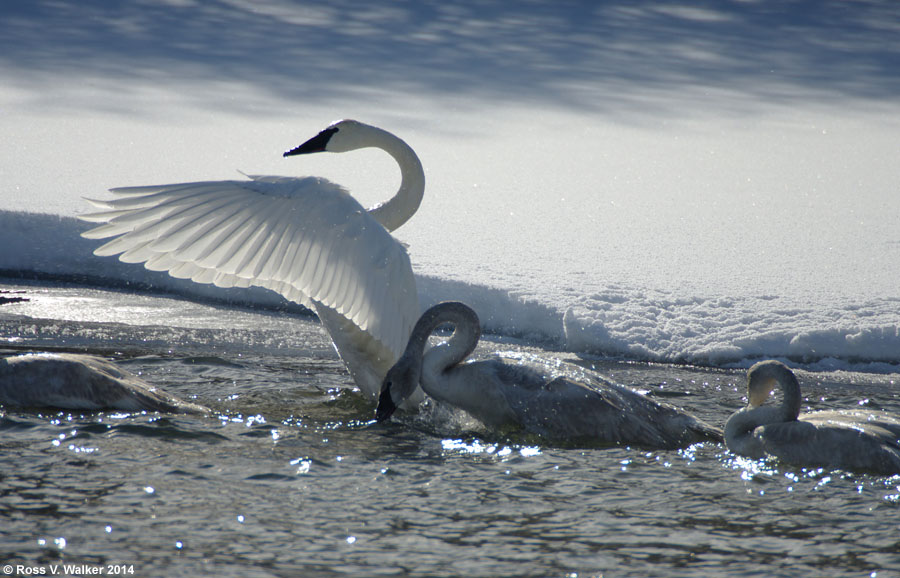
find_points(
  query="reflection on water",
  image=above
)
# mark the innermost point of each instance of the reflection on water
(292, 477)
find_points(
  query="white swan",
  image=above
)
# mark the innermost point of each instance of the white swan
(502, 395)
(843, 439)
(305, 238)
(81, 382)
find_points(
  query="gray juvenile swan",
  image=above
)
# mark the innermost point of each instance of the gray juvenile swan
(305, 238)
(502, 395)
(81, 382)
(844, 439)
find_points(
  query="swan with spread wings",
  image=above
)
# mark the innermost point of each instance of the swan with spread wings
(306, 238)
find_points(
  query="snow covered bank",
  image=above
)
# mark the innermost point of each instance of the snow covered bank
(649, 325)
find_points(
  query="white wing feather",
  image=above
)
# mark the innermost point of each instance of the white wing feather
(305, 238)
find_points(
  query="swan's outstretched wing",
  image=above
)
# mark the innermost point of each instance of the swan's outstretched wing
(305, 238)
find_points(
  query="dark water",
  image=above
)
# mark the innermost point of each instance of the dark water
(290, 478)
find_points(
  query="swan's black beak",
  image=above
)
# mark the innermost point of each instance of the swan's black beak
(386, 406)
(316, 144)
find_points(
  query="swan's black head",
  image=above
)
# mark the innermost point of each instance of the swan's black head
(398, 384)
(386, 406)
(316, 144)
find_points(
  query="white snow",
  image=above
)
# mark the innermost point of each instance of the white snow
(694, 182)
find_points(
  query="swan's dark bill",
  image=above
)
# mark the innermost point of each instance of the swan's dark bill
(386, 406)
(316, 144)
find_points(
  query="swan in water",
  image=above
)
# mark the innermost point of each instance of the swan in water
(502, 395)
(305, 238)
(81, 382)
(843, 439)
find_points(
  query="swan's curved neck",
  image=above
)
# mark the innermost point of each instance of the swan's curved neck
(415, 367)
(791, 400)
(761, 380)
(403, 205)
(466, 332)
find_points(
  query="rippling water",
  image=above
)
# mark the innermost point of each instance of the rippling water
(289, 477)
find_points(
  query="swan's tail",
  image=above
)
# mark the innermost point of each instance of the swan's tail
(674, 428)
(701, 431)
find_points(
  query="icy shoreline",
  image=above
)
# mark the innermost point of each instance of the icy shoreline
(630, 323)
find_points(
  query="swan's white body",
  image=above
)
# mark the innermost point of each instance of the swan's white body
(305, 238)
(844, 439)
(80, 382)
(502, 395)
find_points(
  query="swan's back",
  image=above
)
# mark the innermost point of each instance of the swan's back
(852, 440)
(876, 424)
(80, 382)
(566, 411)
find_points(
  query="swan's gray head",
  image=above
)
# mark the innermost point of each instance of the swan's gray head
(399, 383)
(340, 136)
(764, 377)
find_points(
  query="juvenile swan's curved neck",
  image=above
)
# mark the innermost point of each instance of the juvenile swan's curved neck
(403, 205)
(466, 332)
(761, 379)
(415, 367)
